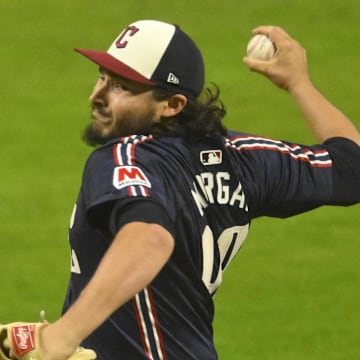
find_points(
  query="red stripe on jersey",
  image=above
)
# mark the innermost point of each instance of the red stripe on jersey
(145, 191)
(132, 154)
(124, 155)
(116, 154)
(157, 325)
(124, 151)
(141, 330)
(132, 191)
(316, 158)
(149, 326)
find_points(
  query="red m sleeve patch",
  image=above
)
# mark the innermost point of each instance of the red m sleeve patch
(125, 176)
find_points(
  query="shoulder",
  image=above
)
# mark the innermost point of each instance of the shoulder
(120, 151)
(134, 156)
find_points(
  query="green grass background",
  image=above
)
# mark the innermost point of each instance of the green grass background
(293, 291)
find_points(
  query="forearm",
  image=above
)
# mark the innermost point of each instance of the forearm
(323, 118)
(288, 70)
(137, 254)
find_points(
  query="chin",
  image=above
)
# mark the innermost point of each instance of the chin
(93, 136)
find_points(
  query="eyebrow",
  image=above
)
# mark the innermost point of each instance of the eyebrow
(133, 85)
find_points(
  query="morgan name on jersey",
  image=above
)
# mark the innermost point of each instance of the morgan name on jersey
(215, 188)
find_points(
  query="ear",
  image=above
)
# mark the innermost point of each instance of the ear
(174, 105)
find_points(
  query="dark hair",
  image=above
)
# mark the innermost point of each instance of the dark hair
(199, 119)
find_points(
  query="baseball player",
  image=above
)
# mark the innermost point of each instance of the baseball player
(168, 196)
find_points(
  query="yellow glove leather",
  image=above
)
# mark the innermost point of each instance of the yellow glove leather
(19, 340)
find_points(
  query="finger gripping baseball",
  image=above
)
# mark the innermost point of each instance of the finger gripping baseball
(21, 341)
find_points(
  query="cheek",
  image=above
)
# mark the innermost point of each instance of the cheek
(134, 115)
(135, 122)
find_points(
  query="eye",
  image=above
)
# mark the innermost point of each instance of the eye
(120, 86)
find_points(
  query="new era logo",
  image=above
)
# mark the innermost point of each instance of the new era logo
(173, 79)
(211, 157)
(125, 176)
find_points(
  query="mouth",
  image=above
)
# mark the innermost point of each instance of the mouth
(100, 117)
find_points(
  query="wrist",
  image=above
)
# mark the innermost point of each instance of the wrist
(300, 87)
(56, 343)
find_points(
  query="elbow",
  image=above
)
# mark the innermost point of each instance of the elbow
(160, 241)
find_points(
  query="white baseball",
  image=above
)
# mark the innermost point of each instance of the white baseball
(260, 47)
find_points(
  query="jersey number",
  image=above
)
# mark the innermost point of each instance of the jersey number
(75, 266)
(228, 244)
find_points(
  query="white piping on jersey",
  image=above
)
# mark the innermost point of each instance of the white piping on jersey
(128, 144)
(149, 326)
(318, 158)
(124, 155)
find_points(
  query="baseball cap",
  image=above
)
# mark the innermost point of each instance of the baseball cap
(154, 53)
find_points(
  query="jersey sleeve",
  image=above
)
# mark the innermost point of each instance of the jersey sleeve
(118, 180)
(140, 210)
(285, 179)
(345, 156)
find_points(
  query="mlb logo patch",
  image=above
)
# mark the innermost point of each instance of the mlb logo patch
(125, 176)
(211, 157)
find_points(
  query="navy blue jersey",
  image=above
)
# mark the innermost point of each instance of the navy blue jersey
(206, 195)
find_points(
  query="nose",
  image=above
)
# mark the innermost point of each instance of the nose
(99, 94)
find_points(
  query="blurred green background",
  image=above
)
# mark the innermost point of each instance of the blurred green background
(293, 291)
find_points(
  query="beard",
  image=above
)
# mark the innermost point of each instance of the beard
(93, 137)
(95, 134)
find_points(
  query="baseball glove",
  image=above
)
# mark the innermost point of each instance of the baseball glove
(19, 340)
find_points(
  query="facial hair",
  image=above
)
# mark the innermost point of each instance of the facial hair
(93, 135)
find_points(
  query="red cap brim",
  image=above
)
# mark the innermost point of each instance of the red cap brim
(108, 62)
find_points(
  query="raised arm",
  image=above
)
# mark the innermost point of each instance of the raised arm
(288, 70)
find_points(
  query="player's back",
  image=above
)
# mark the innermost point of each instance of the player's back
(199, 187)
(196, 185)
